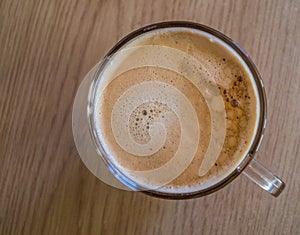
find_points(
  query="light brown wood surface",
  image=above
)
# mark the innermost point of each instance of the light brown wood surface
(46, 48)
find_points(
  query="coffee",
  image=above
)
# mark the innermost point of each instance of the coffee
(176, 110)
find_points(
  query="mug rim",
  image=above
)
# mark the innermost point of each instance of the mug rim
(261, 117)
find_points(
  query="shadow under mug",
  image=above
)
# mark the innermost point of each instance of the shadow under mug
(248, 166)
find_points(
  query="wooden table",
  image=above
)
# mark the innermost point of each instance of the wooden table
(46, 48)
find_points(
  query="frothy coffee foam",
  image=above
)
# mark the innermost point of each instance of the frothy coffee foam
(142, 101)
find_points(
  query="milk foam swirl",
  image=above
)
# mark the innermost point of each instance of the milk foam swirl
(178, 107)
(151, 92)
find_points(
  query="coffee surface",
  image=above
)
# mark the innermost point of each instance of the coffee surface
(175, 110)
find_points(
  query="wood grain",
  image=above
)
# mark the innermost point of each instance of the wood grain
(46, 48)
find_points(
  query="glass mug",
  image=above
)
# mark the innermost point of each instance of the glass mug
(95, 158)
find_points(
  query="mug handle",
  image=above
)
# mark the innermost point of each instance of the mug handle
(263, 177)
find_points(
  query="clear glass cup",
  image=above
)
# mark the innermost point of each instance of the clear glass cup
(249, 166)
